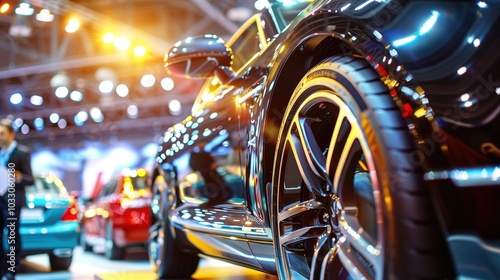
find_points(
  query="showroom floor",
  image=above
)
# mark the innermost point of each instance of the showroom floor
(94, 266)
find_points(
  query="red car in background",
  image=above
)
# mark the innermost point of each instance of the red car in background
(119, 217)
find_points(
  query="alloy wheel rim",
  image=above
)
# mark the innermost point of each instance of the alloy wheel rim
(321, 227)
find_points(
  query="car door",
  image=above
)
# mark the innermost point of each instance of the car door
(104, 205)
(96, 214)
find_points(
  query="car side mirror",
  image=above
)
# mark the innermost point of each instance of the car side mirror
(198, 57)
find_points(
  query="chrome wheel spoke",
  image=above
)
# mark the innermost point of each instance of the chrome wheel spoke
(346, 158)
(342, 149)
(310, 160)
(323, 248)
(299, 209)
(326, 145)
(361, 243)
(340, 129)
(314, 155)
(295, 238)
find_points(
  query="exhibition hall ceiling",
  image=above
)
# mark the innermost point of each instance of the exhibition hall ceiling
(69, 68)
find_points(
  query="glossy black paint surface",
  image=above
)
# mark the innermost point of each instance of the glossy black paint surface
(438, 58)
(197, 57)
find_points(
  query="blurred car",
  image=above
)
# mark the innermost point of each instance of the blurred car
(120, 215)
(365, 136)
(49, 222)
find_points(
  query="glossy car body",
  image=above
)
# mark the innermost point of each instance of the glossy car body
(424, 82)
(49, 221)
(120, 216)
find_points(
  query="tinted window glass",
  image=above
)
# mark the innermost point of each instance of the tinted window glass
(246, 46)
(286, 14)
(140, 183)
(42, 185)
(109, 188)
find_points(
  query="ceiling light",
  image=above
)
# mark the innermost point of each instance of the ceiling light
(25, 129)
(54, 118)
(108, 38)
(44, 16)
(122, 90)
(39, 123)
(61, 92)
(132, 111)
(148, 80)
(62, 123)
(16, 98)
(96, 114)
(104, 73)
(76, 96)
(139, 51)
(175, 107)
(24, 9)
(17, 123)
(59, 80)
(36, 100)
(82, 116)
(4, 8)
(77, 121)
(122, 43)
(167, 83)
(72, 26)
(106, 87)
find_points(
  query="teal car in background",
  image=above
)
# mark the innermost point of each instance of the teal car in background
(49, 222)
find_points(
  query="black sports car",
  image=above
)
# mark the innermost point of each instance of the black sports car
(338, 140)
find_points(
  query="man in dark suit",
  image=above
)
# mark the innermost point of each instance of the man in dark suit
(15, 165)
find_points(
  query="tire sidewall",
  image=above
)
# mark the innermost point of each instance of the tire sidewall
(325, 77)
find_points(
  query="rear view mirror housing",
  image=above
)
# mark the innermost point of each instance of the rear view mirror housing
(198, 57)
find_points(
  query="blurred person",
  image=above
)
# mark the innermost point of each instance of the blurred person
(15, 167)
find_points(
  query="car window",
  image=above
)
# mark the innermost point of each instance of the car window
(42, 185)
(284, 15)
(246, 46)
(140, 182)
(109, 188)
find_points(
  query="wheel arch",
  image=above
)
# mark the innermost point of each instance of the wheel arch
(297, 63)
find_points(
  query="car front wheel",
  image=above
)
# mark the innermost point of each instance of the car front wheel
(166, 256)
(343, 206)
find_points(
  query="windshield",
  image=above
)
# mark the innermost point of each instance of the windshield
(285, 14)
(43, 185)
(140, 182)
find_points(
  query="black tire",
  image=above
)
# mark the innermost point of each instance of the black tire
(111, 250)
(340, 193)
(59, 263)
(166, 256)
